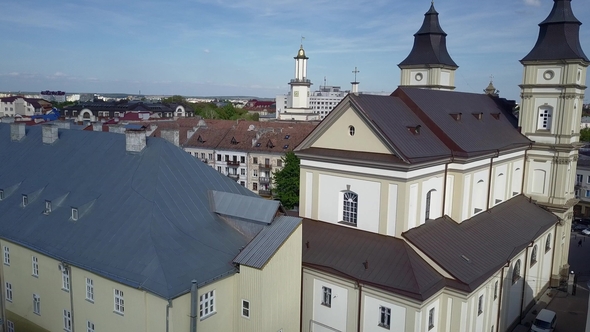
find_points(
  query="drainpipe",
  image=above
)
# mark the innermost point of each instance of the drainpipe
(358, 316)
(168, 306)
(500, 295)
(490, 179)
(194, 306)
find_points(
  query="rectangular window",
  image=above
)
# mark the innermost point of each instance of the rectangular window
(219, 169)
(207, 304)
(579, 178)
(119, 302)
(242, 159)
(10, 326)
(67, 320)
(210, 156)
(588, 179)
(327, 296)
(25, 200)
(242, 171)
(255, 186)
(587, 193)
(6, 255)
(65, 278)
(202, 155)
(246, 308)
(35, 266)
(279, 163)
(243, 183)
(480, 305)
(218, 157)
(8, 292)
(36, 304)
(255, 173)
(89, 326)
(431, 319)
(255, 160)
(496, 290)
(89, 290)
(384, 317)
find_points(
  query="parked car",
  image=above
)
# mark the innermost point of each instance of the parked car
(545, 321)
(586, 231)
(578, 227)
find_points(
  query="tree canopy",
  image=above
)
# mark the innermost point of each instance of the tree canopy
(227, 111)
(585, 135)
(286, 181)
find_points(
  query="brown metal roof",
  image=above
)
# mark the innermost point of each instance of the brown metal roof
(378, 260)
(475, 249)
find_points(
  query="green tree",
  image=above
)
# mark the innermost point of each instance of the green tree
(585, 135)
(176, 99)
(286, 181)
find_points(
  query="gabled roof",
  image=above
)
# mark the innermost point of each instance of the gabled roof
(145, 219)
(559, 36)
(381, 261)
(209, 134)
(430, 44)
(475, 249)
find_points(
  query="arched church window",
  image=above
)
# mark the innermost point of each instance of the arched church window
(548, 243)
(428, 203)
(350, 207)
(534, 255)
(516, 272)
(545, 118)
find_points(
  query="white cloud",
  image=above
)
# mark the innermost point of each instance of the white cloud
(535, 3)
(206, 50)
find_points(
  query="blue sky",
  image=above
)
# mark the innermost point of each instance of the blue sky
(246, 47)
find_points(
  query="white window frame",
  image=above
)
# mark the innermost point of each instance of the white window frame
(119, 302)
(37, 304)
(245, 308)
(9, 326)
(47, 207)
(90, 290)
(65, 278)
(579, 178)
(384, 317)
(67, 320)
(8, 291)
(6, 255)
(349, 207)
(327, 296)
(89, 326)
(207, 304)
(35, 266)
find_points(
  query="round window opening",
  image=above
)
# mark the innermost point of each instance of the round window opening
(419, 77)
(351, 130)
(549, 74)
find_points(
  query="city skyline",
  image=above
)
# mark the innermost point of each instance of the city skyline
(219, 47)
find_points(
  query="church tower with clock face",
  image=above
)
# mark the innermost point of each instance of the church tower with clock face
(297, 107)
(552, 95)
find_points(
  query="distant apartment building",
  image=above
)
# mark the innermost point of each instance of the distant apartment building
(21, 106)
(101, 110)
(582, 186)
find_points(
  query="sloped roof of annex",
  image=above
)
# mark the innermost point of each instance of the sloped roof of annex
(145, 219)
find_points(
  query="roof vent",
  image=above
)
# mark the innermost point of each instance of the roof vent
(415, 130)
(496, 116)
(366, 264)
(17, 131)
(200, 139)
(50, 134)
(269, 144)
(456, 116)
(135, 140)
(466, 259)
(478, 116)
(234, 141)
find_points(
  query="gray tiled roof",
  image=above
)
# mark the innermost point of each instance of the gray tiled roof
(488, 240)
(145, 219)
(258, 252)
(391, 264)
(243, 207)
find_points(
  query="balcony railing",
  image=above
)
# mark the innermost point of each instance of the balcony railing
(265, 166)
(204, 160)
(233, 163)
(264, 179)
(234, 176)
(264, 192)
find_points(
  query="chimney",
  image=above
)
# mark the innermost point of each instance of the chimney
(135, 140)
(17, 131)
(171, 135)
(50, 134)
(119, 129)
(97, 126)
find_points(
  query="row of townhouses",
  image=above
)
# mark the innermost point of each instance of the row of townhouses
(425, 210)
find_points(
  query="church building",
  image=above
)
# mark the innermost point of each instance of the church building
(437, 210)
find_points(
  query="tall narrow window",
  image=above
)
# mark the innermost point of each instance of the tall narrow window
(67, 320)
(36, 304)
(516, 272)
(327, 296)
(89, 326)
(431, 319)
(8, 292)
(35, 262)
(496, 290)
(89, 290)
(119, 302)
(246, 308)
(74, 214)
(545, 115)
(548, 243)
(350, 207)
(480, 305)
(207, 304)
(534, 255)
(6, 255)
(65, 278)
(384, 317)
(428, 203)
(25, 200)
(10, 326)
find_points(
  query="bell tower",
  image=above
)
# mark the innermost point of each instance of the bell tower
(429, 64)
(552, 95)
(300, 86)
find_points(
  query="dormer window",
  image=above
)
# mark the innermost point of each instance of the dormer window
(47, 207)
(1, 194)
(25, 200)
(74, 214)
